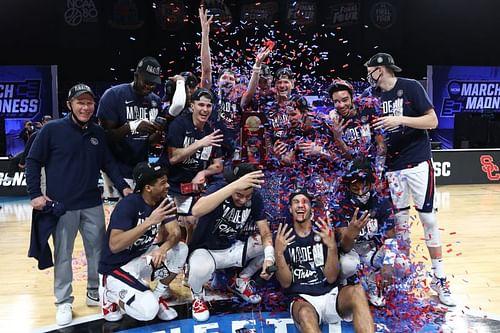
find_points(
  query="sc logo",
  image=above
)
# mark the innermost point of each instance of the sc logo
(442, 169)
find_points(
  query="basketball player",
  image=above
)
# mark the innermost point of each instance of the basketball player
(407, 115)
(130, 259)
(308, 270)
(229, 215)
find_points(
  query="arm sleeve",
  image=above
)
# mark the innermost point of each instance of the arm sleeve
(37, 158)
(179, 99)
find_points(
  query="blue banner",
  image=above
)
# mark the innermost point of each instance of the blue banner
(26, 93)
(456, 89)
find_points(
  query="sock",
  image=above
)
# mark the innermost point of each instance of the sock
(438, 267)
(161, 290)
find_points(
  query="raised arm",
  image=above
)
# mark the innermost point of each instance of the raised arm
(208, 203)
(206, 61)
(254, 80)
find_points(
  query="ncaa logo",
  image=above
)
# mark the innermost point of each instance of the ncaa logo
(94, 141)
(454, 88)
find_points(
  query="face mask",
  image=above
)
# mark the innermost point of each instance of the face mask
(363, 198)
(371, 80)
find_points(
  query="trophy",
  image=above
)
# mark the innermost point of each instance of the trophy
(253, 148)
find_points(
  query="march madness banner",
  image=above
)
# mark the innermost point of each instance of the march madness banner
(456, 89)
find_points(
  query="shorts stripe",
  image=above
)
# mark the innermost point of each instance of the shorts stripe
(428, 205)
(128, 279)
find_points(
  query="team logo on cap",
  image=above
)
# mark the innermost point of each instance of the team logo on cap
(153, 70)
(380, 60)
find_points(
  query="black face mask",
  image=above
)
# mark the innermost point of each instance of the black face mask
(371, 80)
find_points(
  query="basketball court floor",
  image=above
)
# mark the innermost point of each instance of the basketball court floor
(469, 218)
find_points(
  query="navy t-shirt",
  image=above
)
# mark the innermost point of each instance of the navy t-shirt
(358, 135)
(181, 134)
(120, 104)
(381, 221)
(130, 212)
(405, 146)
(227, 223)
(306, 258)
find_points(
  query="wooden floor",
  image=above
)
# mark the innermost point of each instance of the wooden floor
(469, 217)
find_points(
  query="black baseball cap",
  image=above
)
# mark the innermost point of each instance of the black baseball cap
(298, 192)
(300, 103)
(383, 59)
(284, 71)
(340, 85)
(144, 173)
(78, 90)
(150, 69)
(202, 92)
(239, 171)
(360, 169)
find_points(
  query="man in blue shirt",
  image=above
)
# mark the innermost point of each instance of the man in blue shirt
(226, 236)
(308, 269)
(130, 258)
(407, 115)
(128, 112)
(73, 150)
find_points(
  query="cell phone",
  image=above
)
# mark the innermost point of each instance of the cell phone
(189, 188)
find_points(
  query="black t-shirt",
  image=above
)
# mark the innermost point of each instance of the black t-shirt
(306, 257)
(181, 134)
(227, 223)
(405, 146)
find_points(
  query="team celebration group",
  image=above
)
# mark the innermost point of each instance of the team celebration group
(251, 182)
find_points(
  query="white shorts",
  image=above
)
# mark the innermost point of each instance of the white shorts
(325, 306)
(419, 181)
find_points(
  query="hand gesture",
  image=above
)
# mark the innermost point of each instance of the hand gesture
(279, 148)
(205, 21)
(157, 256)
(252, 179)
(326, 233)
(357, 224)
(283, 238)
(309, 148)
(387, 123)
(165, 209)
(214, 139)
(126, 191)
(262, 55)
(338, 127)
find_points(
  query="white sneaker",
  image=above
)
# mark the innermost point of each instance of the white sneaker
(111, 311)
(165, 312)
(245, 288)
(92, 300)
(64, 314)
(441, 287)
(199, 309)
(162, 291)
(375, 296)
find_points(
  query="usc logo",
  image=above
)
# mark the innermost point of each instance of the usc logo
(490, 168)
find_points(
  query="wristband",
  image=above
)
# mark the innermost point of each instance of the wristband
(269, 253)
(134, 124)
(256, 68)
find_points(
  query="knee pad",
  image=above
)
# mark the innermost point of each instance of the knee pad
(431, 231)
(402, 225)
(176, 257)
(349, 264)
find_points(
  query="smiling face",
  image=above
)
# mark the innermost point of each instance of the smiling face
(227, 81)
(342, 100)
(82, 107)
(158, 189)
(300, 208)
(284, 86)
(202, 109)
